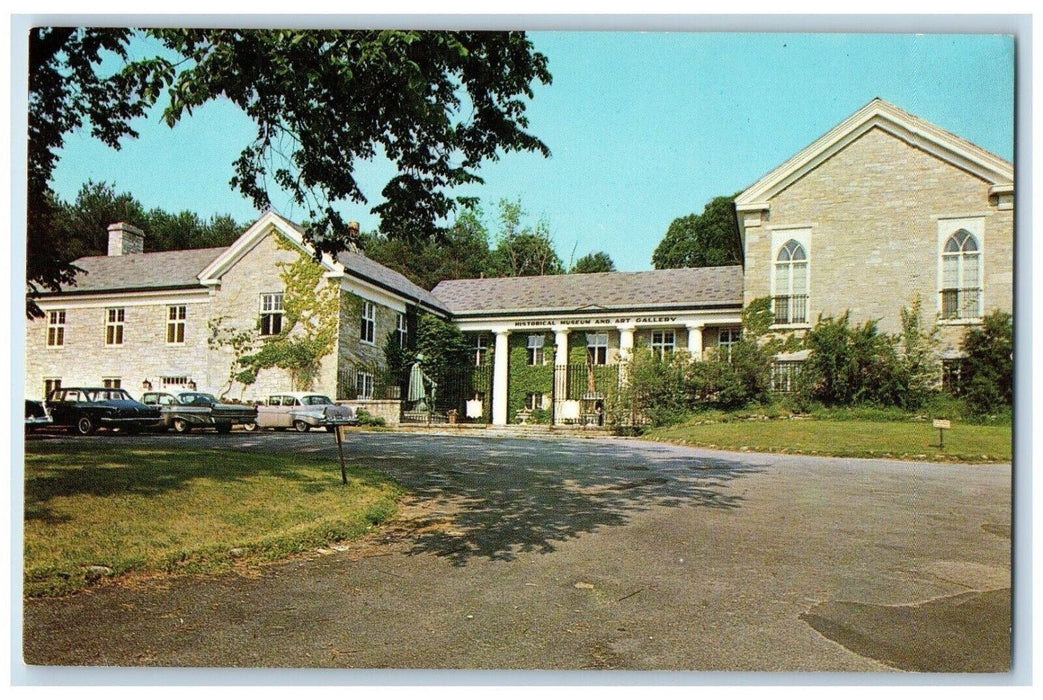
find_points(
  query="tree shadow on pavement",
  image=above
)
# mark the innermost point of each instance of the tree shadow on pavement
(509, 497)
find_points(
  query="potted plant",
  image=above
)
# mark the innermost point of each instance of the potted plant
(452, 415)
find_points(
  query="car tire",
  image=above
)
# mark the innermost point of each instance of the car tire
(300, 426)
(249, 427)
(224, 428)
(85, 426)
(181, 426)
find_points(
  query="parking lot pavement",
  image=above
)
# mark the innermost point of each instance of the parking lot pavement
(566, 553)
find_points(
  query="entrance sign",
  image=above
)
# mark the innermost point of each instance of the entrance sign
(942, 424)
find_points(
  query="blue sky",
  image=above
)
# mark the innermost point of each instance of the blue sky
(642, 127)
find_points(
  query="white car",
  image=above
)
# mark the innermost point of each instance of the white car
(303, 411)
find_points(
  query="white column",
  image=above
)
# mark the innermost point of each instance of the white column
(695, 340)
(561, 360)
(626, 342)
(626, 352)
(500, 378)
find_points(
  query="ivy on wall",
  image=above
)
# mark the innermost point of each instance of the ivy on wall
(309, 326)
(524, 378)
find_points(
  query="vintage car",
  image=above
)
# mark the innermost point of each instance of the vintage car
(303, 411)
(36, 415)
(185, 410)
(85, 409)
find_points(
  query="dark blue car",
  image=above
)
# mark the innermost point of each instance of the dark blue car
(84, 410)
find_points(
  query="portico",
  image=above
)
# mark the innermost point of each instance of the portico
(584, 344)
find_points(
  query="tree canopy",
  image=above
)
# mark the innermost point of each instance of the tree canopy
(83, 223)
(705, 240)
(593, 262)
(436, 104)
(463, 253)
(523, 251)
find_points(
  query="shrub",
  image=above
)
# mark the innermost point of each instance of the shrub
(851, 365)
(988, 370)
(368, 419)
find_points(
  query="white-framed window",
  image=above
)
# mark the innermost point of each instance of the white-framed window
(51, 384)
(961, 276)
(726, 339)
(597, 348)
(481, 349)
(364, 385)
(176, 324)
(534, 349)
(534, 401)
(790, 279)
(368, 330)
(111, 382)
(271, 313)
(400, 328)
(663, 342)
(55, 329)
(114, 319)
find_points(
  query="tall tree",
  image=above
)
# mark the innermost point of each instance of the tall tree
(594, 262)
(436, 104)
(462, 254)
(83, 224)
(67, 92)
(706, 240)
(523, 251)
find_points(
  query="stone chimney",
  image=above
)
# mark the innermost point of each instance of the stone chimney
(125, 239)
(353, 237)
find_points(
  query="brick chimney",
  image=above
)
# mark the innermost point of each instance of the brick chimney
(125, 239)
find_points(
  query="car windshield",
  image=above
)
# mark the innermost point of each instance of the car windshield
(109, 395)
(188, 398)
(316, 400)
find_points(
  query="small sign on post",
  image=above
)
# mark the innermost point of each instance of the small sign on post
(341, 432)
(942, 424)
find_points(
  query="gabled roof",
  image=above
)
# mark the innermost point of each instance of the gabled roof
(347, 263)
(653, 289)
(883, 115)
(140, 271)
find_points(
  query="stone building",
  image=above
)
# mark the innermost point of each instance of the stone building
(140, 320)
(880, 210)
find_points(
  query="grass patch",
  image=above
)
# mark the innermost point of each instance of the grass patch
(846, 436)
(97, 511)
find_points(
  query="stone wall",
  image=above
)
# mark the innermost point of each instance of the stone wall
(353, 353)
(85, 359)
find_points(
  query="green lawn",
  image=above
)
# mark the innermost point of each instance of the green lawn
(847, 438)
(131, 509)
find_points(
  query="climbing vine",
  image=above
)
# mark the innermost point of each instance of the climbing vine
(309, 325)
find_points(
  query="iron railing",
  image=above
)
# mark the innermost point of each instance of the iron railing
(791, 309)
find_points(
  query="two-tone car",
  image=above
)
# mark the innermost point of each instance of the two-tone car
(184, 410)
(86, 409)
(303, 411)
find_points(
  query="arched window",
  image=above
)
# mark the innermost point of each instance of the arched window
(961, 276)
(791, 284)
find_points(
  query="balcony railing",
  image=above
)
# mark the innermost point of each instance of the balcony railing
(961, 303)
(791, 309)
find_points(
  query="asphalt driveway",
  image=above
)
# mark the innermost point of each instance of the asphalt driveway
(575, 553)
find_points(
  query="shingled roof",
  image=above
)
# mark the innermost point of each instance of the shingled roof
(162, 270)
(706, 286)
